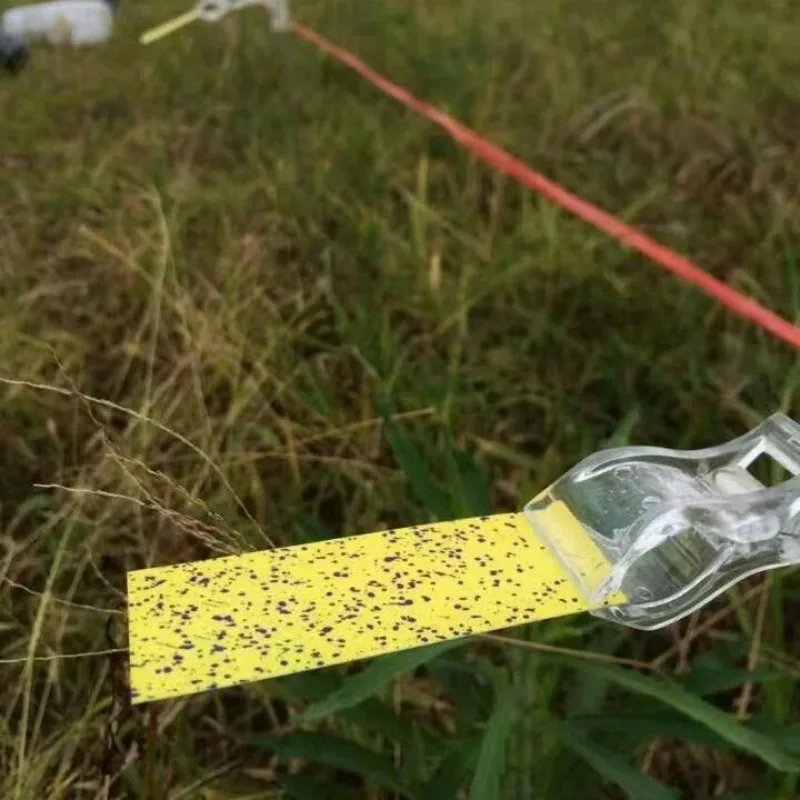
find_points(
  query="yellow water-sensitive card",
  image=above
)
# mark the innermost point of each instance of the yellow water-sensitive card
(638, 535)
(230, 620)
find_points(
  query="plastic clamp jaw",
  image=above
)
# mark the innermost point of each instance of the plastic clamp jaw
(215, 10)
(672, 529)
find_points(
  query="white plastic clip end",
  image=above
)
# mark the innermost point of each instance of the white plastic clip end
(281, 19)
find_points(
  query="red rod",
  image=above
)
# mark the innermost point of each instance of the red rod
(499, 159)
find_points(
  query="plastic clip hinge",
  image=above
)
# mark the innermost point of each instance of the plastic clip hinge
(215, 10)
(672, 529)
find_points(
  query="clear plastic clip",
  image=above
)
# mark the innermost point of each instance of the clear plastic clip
(215, 10)
(672, 529)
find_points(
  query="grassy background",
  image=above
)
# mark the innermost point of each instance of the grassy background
(238, 244)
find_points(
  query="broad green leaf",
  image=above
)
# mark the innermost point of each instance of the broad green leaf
(423, 484)
(452, 771)
(339, 753)
(301, 787)
(416, 757)
(673, 695)
(616, 769)
(630, 730)
(789, 737)
(310, 685)
(466, 685)
(522, 752)
(635, 728)
(621, 437)
(589, 694)
(709, 680)
(704, 680)
(309, 528)
(377, 717)
(374, 678)
(471, 484)
(487, 781)
(461, 663)
(371, 715)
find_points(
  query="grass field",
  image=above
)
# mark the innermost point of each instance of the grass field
(246, 253)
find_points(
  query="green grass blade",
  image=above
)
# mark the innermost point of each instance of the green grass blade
(377, 717)
(301, 787)
(616, 769)
(466, 684)
(417, 753)
(631, 730)
(472, 482)
(590, 692)
(789, 737)
(637, 728)
(623, 433)
(338, 753)
(673, 695)
(487, 781)
(452, 771)
(311, 685)
(371, 715)
(714, 679)
(374, 678)
(422, 482)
